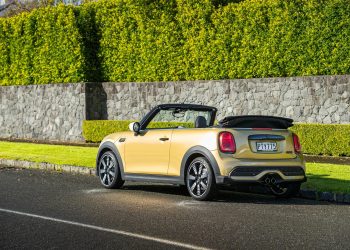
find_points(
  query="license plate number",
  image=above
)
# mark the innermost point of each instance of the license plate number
(266, 146)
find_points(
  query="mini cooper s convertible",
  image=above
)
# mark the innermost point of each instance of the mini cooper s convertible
(180, 144)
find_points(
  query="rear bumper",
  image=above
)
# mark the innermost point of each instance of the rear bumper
(260, 177)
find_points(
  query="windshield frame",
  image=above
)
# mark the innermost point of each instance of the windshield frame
(149, 117)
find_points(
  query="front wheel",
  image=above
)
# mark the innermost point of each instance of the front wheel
(200, 179)
(285, 190)
(109, 172)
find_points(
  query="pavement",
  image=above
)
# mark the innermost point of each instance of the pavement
(43, 209)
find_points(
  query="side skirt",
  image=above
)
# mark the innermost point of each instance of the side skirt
(153, 178)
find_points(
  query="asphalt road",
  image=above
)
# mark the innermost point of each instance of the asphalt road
(51, 210)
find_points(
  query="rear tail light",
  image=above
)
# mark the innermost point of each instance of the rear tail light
(227, 142)
(297, 146)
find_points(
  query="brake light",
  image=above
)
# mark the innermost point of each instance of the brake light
(227, 142)
(261, 128)
(296, 141)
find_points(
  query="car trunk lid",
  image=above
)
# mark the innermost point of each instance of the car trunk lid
(261, 137)
(262, 144)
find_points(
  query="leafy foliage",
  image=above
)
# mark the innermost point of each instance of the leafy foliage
(95, 131)
(170, 40)
(191, 40)
(41, 47)
(316, 139)
(324, 139)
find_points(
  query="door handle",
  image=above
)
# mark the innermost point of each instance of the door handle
(164, 139)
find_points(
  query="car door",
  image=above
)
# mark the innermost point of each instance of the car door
(148, 152)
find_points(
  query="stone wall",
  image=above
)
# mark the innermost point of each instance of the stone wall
(321, 99)
(56, 111)
(42, 112)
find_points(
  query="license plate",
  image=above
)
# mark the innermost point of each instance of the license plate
(266, 146)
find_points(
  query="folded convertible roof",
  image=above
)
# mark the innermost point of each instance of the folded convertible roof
(256, 121)
(185, 106)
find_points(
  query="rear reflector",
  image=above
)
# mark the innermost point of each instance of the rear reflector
(296, 141)
(227, 142)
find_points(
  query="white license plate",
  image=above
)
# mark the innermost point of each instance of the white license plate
(266, 146)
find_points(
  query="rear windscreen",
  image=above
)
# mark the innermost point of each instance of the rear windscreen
(256, 121)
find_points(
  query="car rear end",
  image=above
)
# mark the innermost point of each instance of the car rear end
(260, 150)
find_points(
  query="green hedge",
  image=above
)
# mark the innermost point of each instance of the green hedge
(96, 130)
(145, 40)
(324, 139)
(316, 139)
(41, 47)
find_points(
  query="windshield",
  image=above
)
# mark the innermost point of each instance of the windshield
(178, 118)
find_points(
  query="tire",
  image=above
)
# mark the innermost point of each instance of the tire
(109, 172)
(200, 180)
(286, 190)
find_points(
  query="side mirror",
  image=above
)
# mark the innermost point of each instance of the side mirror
(135, 127)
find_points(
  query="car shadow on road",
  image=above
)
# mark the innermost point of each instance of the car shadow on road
(224, 196)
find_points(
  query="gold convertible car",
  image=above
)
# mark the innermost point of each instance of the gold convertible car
(181, 144)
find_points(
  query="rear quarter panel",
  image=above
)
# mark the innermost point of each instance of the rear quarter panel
(184, 139)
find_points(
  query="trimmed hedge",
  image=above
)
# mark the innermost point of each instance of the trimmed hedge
(191, 40)
(41, 47)
(316, 139)
(324, 139)
(96, 130)
(168, 40)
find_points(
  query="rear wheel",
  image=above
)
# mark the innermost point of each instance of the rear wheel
(109, 172)
(200, 179)
(285, 190)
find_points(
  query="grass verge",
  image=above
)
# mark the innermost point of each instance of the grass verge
(321, 176)
(56, 154)
(328, 177)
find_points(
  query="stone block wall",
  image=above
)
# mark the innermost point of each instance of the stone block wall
(42, 112)
(320, 99)
(56, 111)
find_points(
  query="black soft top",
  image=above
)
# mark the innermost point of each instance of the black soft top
(256, 121)
(186, 106)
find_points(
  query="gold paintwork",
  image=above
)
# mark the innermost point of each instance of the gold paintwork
(144, 153)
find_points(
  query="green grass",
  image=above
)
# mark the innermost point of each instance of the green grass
(321, 177)
(328, 177)
(69, 155)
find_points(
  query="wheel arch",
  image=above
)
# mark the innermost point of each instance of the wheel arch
(198, 151)
(109, 146)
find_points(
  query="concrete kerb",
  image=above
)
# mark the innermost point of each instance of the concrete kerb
(307, 194)
(325, 196)
(47, 166)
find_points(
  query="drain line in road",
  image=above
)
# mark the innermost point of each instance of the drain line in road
(109, 230)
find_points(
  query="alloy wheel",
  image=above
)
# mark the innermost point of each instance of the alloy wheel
(107, 170)
(198, 178)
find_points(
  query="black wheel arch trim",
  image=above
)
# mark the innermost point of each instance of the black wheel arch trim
(203, 151)
(110, 146)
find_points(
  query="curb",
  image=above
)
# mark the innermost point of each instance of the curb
(325, 196)
(62, 143)
(47, 166)
(306, 194)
